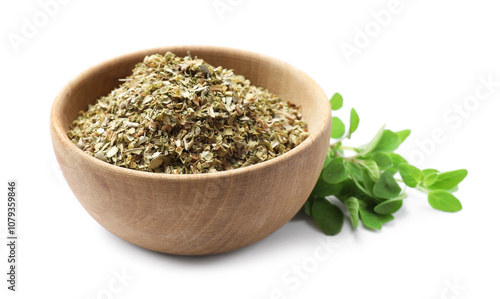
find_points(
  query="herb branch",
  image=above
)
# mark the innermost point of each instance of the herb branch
(366, 182)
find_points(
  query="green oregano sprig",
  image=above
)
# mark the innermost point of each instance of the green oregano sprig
(366, 182)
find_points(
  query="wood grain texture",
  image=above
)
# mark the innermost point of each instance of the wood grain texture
(194, 214)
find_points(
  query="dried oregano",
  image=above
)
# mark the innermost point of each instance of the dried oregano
(182, 115)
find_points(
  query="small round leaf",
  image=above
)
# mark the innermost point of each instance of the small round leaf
(386, 187)
(403, 134)
(448, 180)
(372, 168)
(410, 174)
(370, 219)
(388, 207)
(338, 128)
(335, 172)
(353, 123)
(352, 205)
(336, 101)
(444, 201)
(383, 160)
(389, 142)
(327, 216)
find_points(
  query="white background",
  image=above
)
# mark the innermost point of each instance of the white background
(415, 71)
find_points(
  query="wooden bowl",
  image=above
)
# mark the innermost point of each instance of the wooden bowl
(194, 214)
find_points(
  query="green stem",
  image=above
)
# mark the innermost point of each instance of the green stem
(349, 148)
(337, 142)
(418, 187)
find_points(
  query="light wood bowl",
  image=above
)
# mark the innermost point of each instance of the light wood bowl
(194, 214)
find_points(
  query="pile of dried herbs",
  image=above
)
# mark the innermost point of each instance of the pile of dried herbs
(182, 115)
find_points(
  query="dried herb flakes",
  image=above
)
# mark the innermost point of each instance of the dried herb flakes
(182, 115)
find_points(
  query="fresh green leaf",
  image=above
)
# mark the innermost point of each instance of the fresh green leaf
(354, 170)
(368, 183)
(444, 201)
(336, 171)
(336, 101)
(410, 174)
(307, 206)
(367, 149)
(338, 128)
(383, 160)
(388, 207)
(389, 142)
(430, 178)
(429, 171)
(323, 189)
(403, 135)
(353, 123)
(386, 187)
(329, 157)
(396, 160)
(447, 180)
(372, 168)
(327, 216)
(344, 189)
(352, 205)
(369, 219)
(385, 218)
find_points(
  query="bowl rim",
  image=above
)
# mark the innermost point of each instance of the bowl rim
(56, 124)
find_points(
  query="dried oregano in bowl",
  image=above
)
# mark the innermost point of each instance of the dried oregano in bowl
(182, 115)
